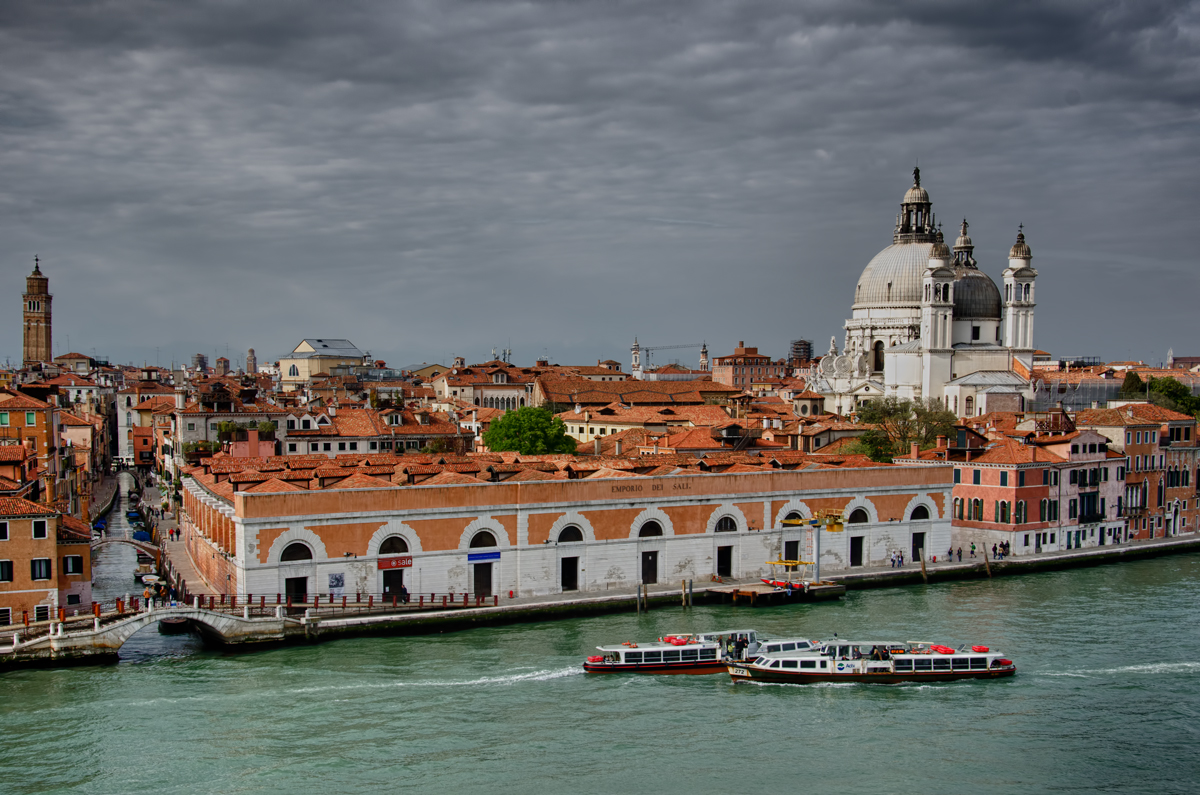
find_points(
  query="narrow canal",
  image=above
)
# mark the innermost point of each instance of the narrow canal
(112, 578)
(1107, 698)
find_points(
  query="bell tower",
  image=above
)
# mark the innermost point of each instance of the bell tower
(37, 298)
(1019, 297)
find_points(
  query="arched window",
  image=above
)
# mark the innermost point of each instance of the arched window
(293, 371)
(129, 418)
(650, 529)
(726, 524)
(879, 356)
(1027, 292)
(859, 516)
(393, 545)
(970, 404)
(977, 510)
(793, 516)
(296, 551)
(919, 513)
(570, 534)
(483, 539)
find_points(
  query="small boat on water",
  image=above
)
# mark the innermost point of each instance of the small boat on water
(695, 653)
(883, 662)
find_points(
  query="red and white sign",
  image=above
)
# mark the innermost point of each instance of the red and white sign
(396, 563)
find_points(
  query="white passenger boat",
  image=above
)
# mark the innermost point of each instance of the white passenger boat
(885, 662)
(702, 653)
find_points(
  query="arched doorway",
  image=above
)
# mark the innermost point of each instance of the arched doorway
(857, 516)
(393, 578)
(650, 529)
(295, 588)
(791, 549)
(569, 564)
(726, 524)
(481, 563)
(649, 561)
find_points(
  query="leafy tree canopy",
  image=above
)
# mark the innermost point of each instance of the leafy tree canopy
(1170, 394)
(1132, 386)
(901, 423)
(530, 431)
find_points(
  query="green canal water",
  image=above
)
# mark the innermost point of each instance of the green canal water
(1107, 698)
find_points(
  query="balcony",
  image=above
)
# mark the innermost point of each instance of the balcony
(1091, 518)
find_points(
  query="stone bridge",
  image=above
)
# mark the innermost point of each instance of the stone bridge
(143, 546)
(105, 638)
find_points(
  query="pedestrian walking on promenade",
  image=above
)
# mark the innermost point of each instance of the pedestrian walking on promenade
(960, 554)
(972, 549)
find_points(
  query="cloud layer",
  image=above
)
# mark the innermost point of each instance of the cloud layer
(437, 178)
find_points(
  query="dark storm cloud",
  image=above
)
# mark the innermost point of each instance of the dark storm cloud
(432, 178)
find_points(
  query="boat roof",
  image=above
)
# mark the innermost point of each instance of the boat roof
(654, 644)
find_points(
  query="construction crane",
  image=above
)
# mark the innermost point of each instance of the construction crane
(647, 350)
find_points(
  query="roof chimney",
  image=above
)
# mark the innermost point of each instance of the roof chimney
(597, 445)
(915, 451)
(617, 451)
(941, 441)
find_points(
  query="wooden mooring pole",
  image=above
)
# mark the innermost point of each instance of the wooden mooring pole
(924, 576)
(987, 565)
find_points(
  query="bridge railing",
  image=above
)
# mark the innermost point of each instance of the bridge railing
(257, 605)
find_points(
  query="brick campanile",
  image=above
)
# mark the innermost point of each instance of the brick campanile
(37, 317)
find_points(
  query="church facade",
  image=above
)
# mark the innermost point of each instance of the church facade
(926, 322)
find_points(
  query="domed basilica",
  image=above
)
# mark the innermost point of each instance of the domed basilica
(927, 322)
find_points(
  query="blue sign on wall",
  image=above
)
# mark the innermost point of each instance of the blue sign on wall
(478, 557)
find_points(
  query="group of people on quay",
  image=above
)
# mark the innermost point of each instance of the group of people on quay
(897, 558)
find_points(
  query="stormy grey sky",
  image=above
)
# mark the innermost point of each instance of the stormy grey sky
(438, 178)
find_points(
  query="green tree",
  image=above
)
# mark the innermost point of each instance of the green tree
(1170, 394)
(530, 431)
(1132, 386)
(901, 422)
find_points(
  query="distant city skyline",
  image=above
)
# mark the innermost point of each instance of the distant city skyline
(433, 181)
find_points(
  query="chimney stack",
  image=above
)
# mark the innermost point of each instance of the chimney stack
(941, 441)
(597, 445)
(915, 451)
(618, 448)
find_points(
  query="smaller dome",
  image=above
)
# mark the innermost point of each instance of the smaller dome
(916, 195)
(976, 296)
(1020, 249)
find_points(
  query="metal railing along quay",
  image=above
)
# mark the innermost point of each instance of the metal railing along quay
(358, 604)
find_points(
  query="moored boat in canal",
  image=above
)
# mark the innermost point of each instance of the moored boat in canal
(700, 653)
(883, 662)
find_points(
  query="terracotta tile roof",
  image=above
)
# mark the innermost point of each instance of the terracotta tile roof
(451, 479)
(532, 475)
(10, 400)
(272, 485)
(1010, 451)
(605, 472)
(580, 390)
(14, 452)
(15, 506)
(360, 481)
(10, 485)
(1125, 415)
(72, 529)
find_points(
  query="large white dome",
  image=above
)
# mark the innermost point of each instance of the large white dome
(894, 276)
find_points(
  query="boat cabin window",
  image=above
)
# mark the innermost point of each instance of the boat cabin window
(671, 656)
(808, 663)
(789, 663)
(961, 663)
(633, 656)
(941, 664)
(788, 647)
(690, 654)
(978, 663)
(652, 656)
(775, 663)
(904, 665)
(922, 664)
(708, 654)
